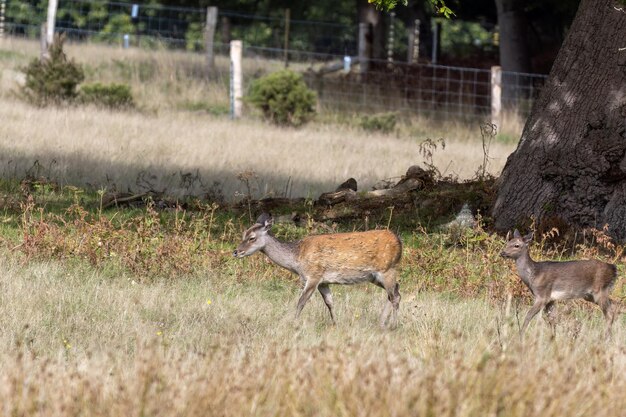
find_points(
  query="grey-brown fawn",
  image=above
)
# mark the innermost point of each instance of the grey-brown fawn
(341, 258)
(549, 281)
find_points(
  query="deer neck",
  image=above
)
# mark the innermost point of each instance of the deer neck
(282, 253)
(526, 267)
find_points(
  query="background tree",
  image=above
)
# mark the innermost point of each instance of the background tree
(570, 164)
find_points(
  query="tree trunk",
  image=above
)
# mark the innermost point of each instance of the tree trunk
(514, 31)
(514, 48)
(367, 13)
(570, 163)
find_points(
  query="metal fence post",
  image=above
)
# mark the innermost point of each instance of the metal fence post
(2, 10)
(236, 82)
(286, 40)
(392, 18)
(496, 95)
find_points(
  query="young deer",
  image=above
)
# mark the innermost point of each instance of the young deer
(342, 258)
(591, 280)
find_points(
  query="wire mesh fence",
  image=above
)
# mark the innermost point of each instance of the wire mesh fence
(313, 48)
(428, 90)
(180, 27)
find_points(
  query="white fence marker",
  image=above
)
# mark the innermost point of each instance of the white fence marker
(236, 83)
(52, 12)
(496, 95)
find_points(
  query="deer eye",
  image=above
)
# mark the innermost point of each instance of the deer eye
(251, 238)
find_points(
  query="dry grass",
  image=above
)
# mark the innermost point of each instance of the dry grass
(76, 341)
(89, 146)
(101, 339)
(156, 146)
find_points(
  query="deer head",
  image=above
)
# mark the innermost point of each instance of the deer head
(254, 238)
(517, 245)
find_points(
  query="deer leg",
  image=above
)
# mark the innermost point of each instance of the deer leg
(608, 309)
(388, 281)
(307, 291)
(387, 309)
(536, 308)
(324, 289)
(550, 316)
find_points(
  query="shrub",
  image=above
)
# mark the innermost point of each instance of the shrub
(113, 96)
(117, 25)
(385, 122)
(194, 37)
(284, 98)
(52, 80)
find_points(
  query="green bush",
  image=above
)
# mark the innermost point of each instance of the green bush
(53, 80)
(284, 98)
(194, 37)
(116, 26)
(385, 122)
(114, 96)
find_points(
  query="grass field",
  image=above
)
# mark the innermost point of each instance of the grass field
(156, 146)
(139, 311)
(79, 341)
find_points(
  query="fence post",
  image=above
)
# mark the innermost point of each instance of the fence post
(43, 45)
(236, 83)
(225, 30)
(364, 47)
(134, 18)
(286, 47)
(414, 43)
(2, 9)
(496, 95)
(52, 11)
(209, 36)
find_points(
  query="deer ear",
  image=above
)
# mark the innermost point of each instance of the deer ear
(267, 224)
(508, 235)
(516, 234)
(263, 218)
(528, 237)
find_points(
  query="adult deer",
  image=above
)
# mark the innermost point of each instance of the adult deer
(341, 258)
(549, 281)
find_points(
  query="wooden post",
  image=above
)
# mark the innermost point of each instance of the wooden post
(236, 82)
(392, 18)
(364, 47)
(225, 30)
(496, 95)
(286, 47)
(134, 18)
(2, 9)
(52, 12)
(209, 37)
(413, 51)
(43, 44)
